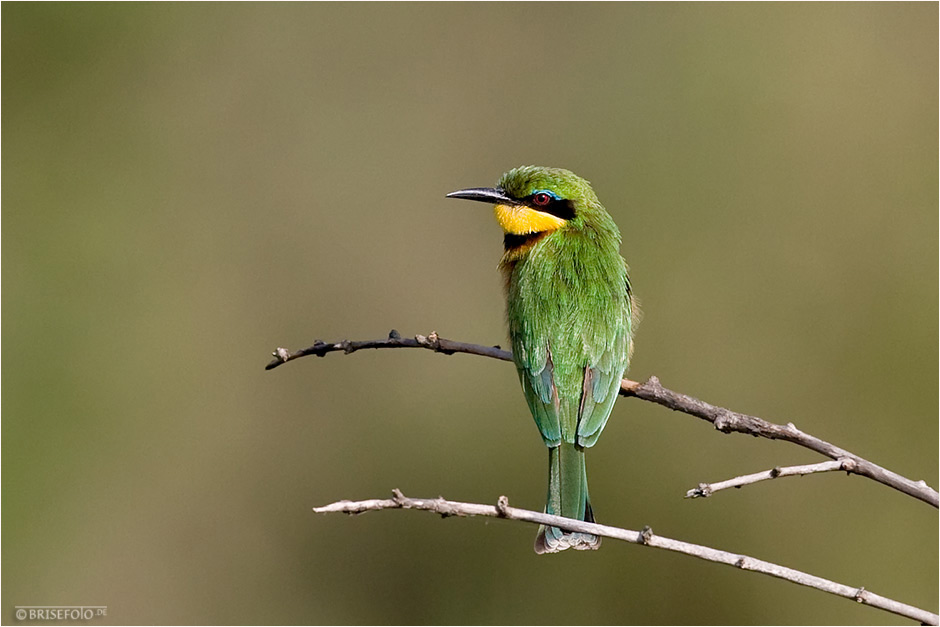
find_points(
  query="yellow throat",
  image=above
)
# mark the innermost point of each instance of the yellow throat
(522, 220)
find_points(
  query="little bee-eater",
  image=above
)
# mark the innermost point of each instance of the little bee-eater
(571, 317)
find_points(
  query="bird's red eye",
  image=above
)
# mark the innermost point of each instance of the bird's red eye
(542, 199)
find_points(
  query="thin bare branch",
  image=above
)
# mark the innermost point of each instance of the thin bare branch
(394, 340)
(728, 421)
(707, 489)
(725, 420)
(645, 537)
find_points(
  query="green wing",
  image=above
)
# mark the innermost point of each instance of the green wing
(602, 376)
(536, 373)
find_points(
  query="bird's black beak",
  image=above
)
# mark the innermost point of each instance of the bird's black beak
(483, 194)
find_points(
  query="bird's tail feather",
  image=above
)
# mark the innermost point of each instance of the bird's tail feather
(568, 497)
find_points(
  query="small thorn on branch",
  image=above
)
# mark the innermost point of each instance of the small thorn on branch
(645, 535)
(502, 506)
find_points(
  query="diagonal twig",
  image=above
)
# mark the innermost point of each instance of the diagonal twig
(725, 420)
(645, 537)
(707, 489)
(728, 421)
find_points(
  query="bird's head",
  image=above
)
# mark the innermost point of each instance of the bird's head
(534, 199)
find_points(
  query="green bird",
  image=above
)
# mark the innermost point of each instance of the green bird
(571, 317)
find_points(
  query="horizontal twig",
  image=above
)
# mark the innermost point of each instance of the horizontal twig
(707, 489)
(725, 420)
(394, 340)
(645, 537)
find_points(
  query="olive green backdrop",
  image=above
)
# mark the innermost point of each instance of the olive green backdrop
(187, 187)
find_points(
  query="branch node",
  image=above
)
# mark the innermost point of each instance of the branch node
(742, 563)
(861, 595)
(703, 490)
(431, 341)
(281, 353)
(347, 346)
(725, 420)
(399, 498)
(849, 465)
(775, 472)
(444, 508)
(394, 335)
(645, 535)
(502, 506)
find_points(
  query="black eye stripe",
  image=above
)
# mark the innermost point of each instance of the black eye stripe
(558, 207)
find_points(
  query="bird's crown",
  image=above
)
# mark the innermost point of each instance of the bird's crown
(530, 180)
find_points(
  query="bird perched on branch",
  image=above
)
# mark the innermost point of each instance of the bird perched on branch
(571, 317)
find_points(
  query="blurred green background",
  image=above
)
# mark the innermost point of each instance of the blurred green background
(187, 187)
